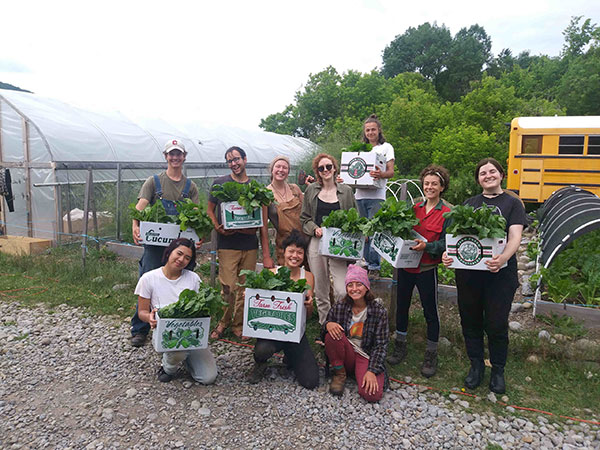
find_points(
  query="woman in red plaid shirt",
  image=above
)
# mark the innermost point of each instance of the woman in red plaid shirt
(356, 338)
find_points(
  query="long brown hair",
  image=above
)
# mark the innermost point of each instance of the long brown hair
(315, 166)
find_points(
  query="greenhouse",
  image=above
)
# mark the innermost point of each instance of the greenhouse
(53, 156)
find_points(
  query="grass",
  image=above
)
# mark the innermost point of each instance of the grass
(564, 381)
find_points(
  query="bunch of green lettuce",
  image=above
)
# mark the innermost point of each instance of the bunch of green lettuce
(394, 217)
(191, 304)
(358, 147)
(270, 281)
(192, 215)
(151, 213)
(347, 220)
(483, 223)
(250, 195)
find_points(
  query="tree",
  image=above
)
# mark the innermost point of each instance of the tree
(578, 37)
(423, 49)
(579, 88)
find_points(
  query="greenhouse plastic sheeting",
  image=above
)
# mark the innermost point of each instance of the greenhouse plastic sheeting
(54, 143)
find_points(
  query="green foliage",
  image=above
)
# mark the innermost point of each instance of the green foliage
(270, 281)
(483, 223)
(192, 215)
(565, 325)
(395, 218)
(250, 195)
(206, 302)
(574, 275)
(533, 249)
(154, 213)
(358, 147)
(347, 220)
(446, 276)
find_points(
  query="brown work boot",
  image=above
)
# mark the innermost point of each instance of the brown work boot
(338, 381)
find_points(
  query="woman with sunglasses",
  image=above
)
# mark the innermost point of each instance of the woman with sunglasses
(321, 198)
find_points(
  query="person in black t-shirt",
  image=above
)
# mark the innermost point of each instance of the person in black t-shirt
(485, 297)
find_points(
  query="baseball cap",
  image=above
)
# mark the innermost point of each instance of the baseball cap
(174, 144)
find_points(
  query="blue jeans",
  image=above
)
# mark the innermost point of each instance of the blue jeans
(367, 207)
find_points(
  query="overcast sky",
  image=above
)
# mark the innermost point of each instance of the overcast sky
(234, 62)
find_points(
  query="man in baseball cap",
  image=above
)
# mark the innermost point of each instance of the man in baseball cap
(168, 187)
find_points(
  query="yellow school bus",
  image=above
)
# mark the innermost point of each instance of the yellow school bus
(548, 153)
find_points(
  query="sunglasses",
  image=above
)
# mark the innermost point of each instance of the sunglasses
(325, 167)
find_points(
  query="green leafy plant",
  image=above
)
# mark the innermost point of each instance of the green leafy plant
(151, 213)
(358, 147)
(192, 215)
(395, 218)
(268, 280)
(347, 220)
(206, 302)
(483, 223)
(533, 249)
(250, 195)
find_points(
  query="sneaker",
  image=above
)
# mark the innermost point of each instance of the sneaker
(163, 376)
(399, 353)
(138, 340)
(257, 373)
(430, 363)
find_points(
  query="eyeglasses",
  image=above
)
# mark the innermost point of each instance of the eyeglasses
(233, 160)
(325, 167)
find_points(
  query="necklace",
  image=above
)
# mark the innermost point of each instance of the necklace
(285, 187)
(494, 194)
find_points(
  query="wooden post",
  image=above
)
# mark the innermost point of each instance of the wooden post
(86, 208)
(118, 203)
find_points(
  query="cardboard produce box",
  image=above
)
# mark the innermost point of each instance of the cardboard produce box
(396, 250)
(235, 217)
(355, 169)
(172, 335)
(162, 234)
(337, 244)
(275, 315)
(470, 252)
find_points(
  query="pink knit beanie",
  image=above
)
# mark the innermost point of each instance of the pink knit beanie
(356, 273)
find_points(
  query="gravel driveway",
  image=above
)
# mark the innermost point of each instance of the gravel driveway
(71, 381)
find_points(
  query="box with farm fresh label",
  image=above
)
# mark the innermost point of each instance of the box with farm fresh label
(162, 234)
(356, 166)
(470, 252)
(396, 250)
(172, 335)
(275, 315)
(235, 217)
(338, 244)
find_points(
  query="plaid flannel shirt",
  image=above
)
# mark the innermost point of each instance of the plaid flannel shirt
(375, 331)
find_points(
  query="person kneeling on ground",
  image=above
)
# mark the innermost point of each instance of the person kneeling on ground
(299, 357)
(161, 287)
(357, 337)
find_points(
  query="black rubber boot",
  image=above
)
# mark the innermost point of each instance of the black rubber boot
(475, 375)
(497, 383)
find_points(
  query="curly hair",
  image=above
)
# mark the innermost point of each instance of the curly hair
(439, 171)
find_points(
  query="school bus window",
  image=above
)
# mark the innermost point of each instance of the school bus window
(531, 145)
(594, 145)
(570, 145)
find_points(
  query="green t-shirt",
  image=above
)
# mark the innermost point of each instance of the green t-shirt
(171, 189)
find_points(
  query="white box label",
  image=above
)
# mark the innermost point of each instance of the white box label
(162, 234)
(235, 217)
(470, 252)
(171, 335)
(396, 250)
(355, 168)
(337, 244)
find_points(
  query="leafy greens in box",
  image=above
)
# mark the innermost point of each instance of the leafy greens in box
(483, 223)
(270, 281)
(191, 304)
(250, 195)
(358, 147)
(395, 218)
(192, 215)
(347, 220)
(154, 213)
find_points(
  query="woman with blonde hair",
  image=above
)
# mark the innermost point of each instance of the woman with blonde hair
(321, 198)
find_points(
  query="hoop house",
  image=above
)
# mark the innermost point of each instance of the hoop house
(52, 148)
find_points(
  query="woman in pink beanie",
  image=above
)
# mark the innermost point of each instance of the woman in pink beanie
(356, 338)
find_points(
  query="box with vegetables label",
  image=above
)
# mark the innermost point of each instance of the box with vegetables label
(162, 234)
(242, 203)
(474, 236)
(397, 251)
(356, 164)
(343, 235)
(274, 305)
(185, 324)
